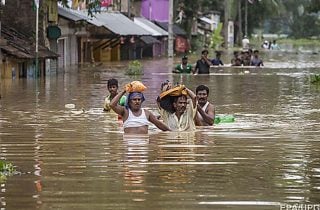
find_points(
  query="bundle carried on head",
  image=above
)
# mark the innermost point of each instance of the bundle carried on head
(135, 86)
(176, 91)
(166, 98)
(134, 89)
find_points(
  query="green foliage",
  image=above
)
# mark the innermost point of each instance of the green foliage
(315, 79)
(300, 26)
(314, 6)
(135, 68)
(6, 169)
(300, 42)
(216, 38)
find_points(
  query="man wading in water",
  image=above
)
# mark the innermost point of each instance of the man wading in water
(206, 110)
(135, 119)
(176, 110)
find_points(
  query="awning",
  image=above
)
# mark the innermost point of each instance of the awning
(68, 14)
(149, 40)
(175, 28)
(150, 26)
(10, 50)
(115, 22)
(18, 45)
(207, 20)
(46, 53)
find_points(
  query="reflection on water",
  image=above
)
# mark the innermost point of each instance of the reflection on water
(77, 157)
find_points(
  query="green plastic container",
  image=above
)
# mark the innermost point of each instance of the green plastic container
(223, 119)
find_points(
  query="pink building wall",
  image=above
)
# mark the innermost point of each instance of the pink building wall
(157, 10)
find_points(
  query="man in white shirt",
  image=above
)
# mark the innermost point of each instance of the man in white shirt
(245, 43)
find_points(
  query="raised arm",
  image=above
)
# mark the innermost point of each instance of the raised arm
(114, 104)
(192, 95)
(207, 61)
(208, 117)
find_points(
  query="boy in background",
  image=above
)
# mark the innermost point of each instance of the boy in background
(113, 91)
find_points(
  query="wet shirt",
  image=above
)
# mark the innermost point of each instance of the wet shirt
(274, 46)
(216, 62)
(107, 100)
(186, 121)
(246, 62)
(256, 62)
(202, 66)
(136, 121)
(184, 69)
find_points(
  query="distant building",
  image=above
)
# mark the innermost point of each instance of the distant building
(207, 23)
(158, 11)
(18, 36)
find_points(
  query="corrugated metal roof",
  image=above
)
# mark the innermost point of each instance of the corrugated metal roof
(69, 14)
(150, 26)
(113, 21)
(176, 29)
(149, 40)
(16, 52)
(118, 24)
(20, 46)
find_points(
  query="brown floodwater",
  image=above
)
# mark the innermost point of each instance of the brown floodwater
(72, 155)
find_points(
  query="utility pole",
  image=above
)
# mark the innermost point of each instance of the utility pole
(226, 23)
(170, 31)
(37, 37)
(129, 12)
(2, 3)
(246, 18)
(240, 23)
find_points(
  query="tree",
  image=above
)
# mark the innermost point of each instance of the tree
(216, 38)
(302, 15)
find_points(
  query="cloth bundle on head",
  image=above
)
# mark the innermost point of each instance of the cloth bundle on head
(166, 98)
(166, 85)
(134, 95)
(176, 91)
(135, 86)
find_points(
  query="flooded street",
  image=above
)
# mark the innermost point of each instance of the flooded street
(78, 158)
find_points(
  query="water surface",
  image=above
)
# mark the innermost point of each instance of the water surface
(78, 158)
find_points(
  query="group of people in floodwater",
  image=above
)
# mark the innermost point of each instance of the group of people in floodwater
(180, 108)
(246, 57)
(270, 45)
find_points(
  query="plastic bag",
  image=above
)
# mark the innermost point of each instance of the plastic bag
(135, 86)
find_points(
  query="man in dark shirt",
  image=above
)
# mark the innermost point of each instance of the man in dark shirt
(217, 60)
(203, 64)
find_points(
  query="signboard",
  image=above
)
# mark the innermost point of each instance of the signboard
(230, 34)
(53, 32)
(181, 44)
(105, 3)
